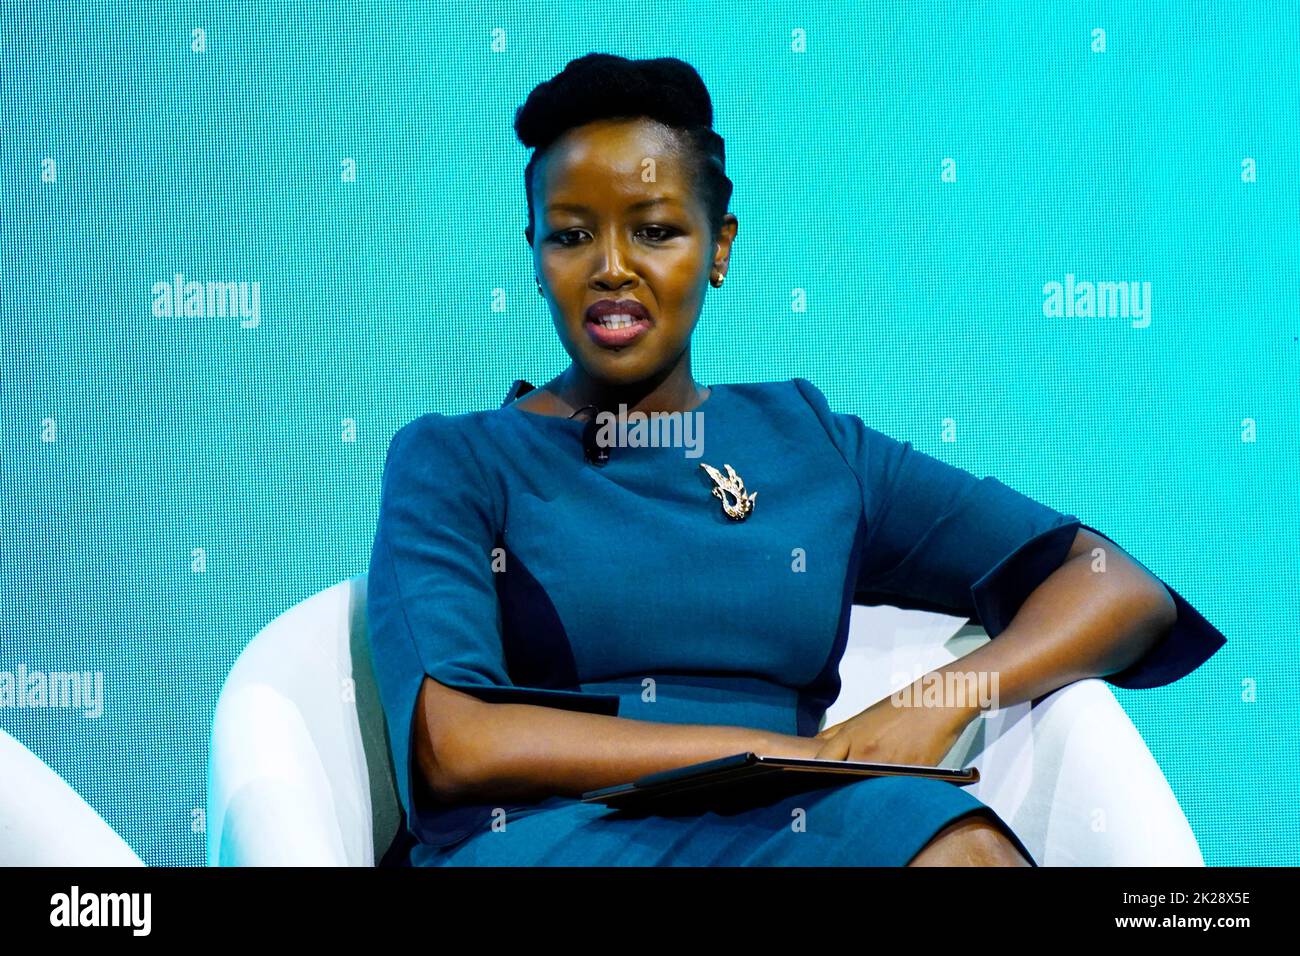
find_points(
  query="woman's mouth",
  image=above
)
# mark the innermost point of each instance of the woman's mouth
(616, 329)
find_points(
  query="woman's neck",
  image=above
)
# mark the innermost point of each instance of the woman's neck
(675, 392)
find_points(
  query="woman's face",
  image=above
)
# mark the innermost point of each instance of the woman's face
(604, 233)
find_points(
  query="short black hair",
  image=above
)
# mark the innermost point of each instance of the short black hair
(604, 86)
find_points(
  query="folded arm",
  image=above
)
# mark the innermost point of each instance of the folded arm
(1080, 622)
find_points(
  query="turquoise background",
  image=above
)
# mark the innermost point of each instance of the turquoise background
(924, 303)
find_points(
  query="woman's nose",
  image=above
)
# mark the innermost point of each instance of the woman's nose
(612, 267)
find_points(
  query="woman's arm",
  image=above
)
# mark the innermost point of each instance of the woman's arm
(1078, 623)
(468, 750)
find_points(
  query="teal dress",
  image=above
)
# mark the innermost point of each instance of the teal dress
(508, 566)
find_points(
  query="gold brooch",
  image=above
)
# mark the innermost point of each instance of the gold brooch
(731, 485)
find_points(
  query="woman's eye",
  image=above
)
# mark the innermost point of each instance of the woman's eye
(666, 233)
(569, 237)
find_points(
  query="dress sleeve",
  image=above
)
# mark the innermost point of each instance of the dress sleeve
(432, 606)
(940, 539)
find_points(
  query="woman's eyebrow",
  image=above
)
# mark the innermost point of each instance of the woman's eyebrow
(640, 204)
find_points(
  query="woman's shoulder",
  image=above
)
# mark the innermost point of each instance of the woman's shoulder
(794, 396)
(797, 406)
(788, 391)
(438, 435)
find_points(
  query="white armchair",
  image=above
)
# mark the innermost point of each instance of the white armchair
(300, 772)
(44, 822)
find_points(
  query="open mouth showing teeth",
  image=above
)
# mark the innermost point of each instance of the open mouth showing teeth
(616, 320)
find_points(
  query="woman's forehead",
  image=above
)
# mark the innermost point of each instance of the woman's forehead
(622, 170)
(614, 147)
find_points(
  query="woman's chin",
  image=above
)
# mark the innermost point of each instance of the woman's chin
(618, 367)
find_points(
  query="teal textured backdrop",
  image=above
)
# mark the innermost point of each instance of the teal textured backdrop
(908, 184)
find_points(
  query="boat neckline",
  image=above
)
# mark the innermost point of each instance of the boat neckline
(713, 393)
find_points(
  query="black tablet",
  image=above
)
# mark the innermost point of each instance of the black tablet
(750, 774)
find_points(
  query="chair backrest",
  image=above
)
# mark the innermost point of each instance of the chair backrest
(887, 648)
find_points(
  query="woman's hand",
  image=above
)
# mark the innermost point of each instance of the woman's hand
(888, 733)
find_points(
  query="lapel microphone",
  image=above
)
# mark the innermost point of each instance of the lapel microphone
(591, 450)
(595, 453)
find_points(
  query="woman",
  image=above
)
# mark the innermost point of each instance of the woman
(550, 615)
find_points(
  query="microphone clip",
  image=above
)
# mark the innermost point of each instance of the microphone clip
(595, 453)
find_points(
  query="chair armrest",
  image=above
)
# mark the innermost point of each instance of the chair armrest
(268, 805)
(1074, 779)
(1070, 774)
